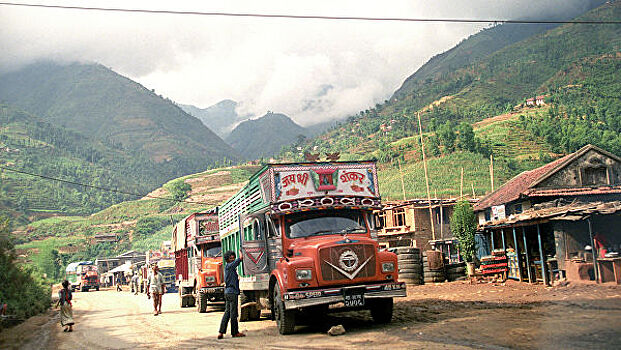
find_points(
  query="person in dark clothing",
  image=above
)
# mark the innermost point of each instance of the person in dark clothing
(231, 294)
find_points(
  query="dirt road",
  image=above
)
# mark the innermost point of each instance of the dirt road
(450, 315)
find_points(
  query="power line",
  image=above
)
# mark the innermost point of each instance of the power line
(101, 188)
(319, 17)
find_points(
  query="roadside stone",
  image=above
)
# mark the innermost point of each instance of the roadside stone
(337, 330)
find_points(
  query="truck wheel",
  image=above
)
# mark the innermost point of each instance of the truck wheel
(201, 302)
(285, 319)
(250, 312)
(97, 288)
(381, 310)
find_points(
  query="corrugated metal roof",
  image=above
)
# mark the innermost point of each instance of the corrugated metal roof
(558, 210)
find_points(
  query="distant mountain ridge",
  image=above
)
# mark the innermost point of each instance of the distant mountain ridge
(265, 136)
(97, 102)
(88, 124)
(221, 117)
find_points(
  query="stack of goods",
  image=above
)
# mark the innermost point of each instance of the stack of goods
(456, 272)
(433, 266)
(410, 267)
(495, 264)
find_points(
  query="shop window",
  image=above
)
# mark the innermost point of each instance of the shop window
(488, 214)
(398, 217)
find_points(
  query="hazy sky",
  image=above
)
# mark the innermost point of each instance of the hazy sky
(311, 70)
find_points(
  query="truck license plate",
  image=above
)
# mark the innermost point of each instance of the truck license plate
(353, 298)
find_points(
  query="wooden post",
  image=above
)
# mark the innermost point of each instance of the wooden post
(530, 280)
(517, 253)
(491, 235)
(594, 251)
(542, 258)
(422, 148)
(491, 170)
(441, 220)
(473, 195)
(502, 236)
(402, 181)
(461, 184)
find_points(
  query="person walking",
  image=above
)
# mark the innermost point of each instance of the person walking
(118, 284)
(66, 309)
(155, 286)
(135, 284)
(231, 294)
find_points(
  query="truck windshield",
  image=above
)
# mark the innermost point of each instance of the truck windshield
(324, 222)
(212, 252)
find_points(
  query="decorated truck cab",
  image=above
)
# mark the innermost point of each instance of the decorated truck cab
(198, 260)
(307, 237)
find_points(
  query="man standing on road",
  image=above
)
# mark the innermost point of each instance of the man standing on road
(135, 283)
(231, 294)
(155, 286)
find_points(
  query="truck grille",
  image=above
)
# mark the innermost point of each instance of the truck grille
(343, 262)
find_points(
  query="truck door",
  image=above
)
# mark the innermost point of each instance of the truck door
(254, 246)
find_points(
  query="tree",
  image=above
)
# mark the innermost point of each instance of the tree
(464, 226)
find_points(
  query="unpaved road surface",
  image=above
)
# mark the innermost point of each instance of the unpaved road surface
(452, 315)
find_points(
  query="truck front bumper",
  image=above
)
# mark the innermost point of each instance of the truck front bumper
(300, 299)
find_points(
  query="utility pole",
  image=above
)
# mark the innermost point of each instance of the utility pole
(422, 148)
(491, 170)
(461, 184)
(402, 181)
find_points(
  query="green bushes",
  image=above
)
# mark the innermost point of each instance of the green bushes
(23, 288)
(464, 226)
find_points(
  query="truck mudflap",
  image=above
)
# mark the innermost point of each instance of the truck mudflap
(351, 296)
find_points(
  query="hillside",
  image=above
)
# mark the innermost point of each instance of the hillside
(573, 66)
(136, 224)
(99, 103)
(221, 117)
(31, 144)
(265, 136)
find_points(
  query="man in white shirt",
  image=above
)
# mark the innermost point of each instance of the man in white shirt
(155, 286)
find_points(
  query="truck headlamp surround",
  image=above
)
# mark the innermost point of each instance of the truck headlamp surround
(210, 279)
(303, 274)
(388, 267)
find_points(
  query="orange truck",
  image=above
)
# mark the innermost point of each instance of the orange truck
(309, 244)
(198, 260)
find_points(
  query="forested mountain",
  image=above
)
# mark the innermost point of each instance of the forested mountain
(490, 86)
(30, 144)
(264, 137)
(573, 66)
(87, 124)
(99, 103)
(221, 117)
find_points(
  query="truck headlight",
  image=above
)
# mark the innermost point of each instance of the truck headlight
(388, 267)
(303, 275)
(210, 279)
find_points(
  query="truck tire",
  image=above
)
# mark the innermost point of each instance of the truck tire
(97, 288)
(408, 265)
(250, 312)
(201, 302)
(381, 310)
(410, 257)
(285, 319)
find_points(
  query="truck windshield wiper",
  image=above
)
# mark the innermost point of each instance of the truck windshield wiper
(351, 229)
